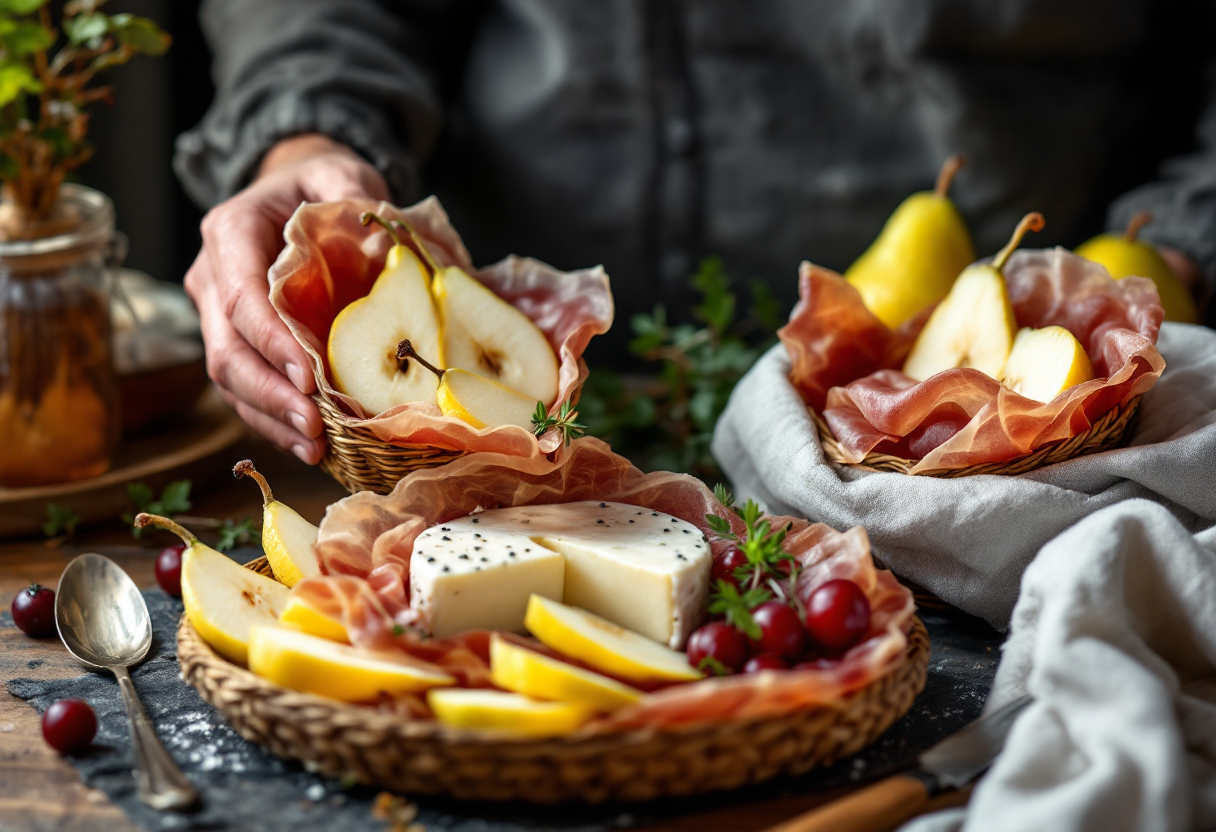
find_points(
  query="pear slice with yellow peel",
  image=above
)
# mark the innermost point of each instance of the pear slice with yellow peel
(484, 334)
(362, 348)
(224, 601)
(525, 671)
(338, 671)
(1046, 362)
(507, 712)
(603, 645)
(974, 326)
(475, 399)
(302, 616)
(287, 538)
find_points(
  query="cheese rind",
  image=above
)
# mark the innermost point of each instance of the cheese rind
(641, 569)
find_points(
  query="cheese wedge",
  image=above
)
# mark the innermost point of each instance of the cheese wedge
(508, 712)
(525, 671)
(643, 570)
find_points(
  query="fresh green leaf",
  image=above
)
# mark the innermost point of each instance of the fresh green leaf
(21, 6)
(16, 79)
(59, 520)
(175, 499)
(86, 29)
(236, 534)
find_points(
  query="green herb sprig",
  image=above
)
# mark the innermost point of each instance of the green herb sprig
(565, 421)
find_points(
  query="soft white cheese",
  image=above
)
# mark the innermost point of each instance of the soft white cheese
(642, 569)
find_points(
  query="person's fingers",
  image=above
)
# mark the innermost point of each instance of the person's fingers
(237, 369)
(240, 244)
(308, 450)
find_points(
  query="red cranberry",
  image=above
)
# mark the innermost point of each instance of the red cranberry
(765, 661)
(34, 611)
(68, 726)
(720, 641)
(838, 614)
(780, 630)
(169, 570)
(725, 565)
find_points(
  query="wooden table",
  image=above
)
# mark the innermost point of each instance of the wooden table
(39, 790)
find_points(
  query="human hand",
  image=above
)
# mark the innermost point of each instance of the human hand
(261, 371)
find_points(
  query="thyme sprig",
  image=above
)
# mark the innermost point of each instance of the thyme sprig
(565, 421)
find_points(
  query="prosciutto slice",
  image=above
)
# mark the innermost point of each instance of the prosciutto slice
(331, 259)
(845, 363)
(365, 543)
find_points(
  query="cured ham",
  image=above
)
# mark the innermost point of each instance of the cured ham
(366, 540)
(331, 259)
(845, 364)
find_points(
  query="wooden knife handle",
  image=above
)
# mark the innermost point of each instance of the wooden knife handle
(878, 808)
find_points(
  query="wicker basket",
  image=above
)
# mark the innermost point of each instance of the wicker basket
(361, 461)
(1111, 431)
(425, 757)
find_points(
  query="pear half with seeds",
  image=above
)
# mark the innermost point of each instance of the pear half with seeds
(974, 326)
(363, 339)
(484, 334)
(287, 538)
(480, 401)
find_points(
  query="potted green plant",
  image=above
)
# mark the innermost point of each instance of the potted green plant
(58, 404)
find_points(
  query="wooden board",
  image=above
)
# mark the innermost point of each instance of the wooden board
(191, 448)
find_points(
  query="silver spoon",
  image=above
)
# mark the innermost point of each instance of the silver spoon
(104, 623)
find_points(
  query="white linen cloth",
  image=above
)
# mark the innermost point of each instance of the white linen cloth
(1115, 636)
(969, 539)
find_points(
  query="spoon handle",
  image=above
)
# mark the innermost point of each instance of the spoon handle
(160, 783)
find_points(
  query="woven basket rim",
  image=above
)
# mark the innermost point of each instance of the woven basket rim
(1108, 432)
(194, 647)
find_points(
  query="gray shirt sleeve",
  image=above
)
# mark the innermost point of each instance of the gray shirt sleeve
(1182, 199)
(349, 69)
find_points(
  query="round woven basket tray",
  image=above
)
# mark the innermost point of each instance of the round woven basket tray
(361, 461)
(1111, 431)
(426, 757)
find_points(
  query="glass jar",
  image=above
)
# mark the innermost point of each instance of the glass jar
(59, 415)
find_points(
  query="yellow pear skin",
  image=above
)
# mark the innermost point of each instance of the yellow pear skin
(1124, 255)
(913, 262)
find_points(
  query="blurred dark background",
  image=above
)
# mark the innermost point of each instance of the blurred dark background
(155, 100)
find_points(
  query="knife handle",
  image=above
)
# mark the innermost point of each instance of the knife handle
(878, 808)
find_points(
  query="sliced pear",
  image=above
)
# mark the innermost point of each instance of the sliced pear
(525, 671)
(363, 339)
(475, 399)
(1046, 362)
(484, 334)
(224, 601)
(603, 645)
(287, 538)
(974, 326)
(510, 712)
(338, 671)
(302, 616)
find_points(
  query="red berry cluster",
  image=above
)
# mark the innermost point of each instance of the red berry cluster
(837, 615)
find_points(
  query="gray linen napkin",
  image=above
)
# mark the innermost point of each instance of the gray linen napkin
(969, 539)
(1115, 636)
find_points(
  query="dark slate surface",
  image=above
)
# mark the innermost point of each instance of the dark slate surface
(246, 788)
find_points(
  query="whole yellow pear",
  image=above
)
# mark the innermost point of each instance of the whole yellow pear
(920, 251)
(1124, 255)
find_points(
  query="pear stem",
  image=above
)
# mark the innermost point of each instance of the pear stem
(142, 520)
(245, 468)
(430, 261)
(946, 175)
(1138, 221)
(368, 217)
(406, 350)
(1031, 222)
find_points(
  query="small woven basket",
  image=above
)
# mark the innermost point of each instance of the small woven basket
(1111, 431)
(426, 757)
(361, 461)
